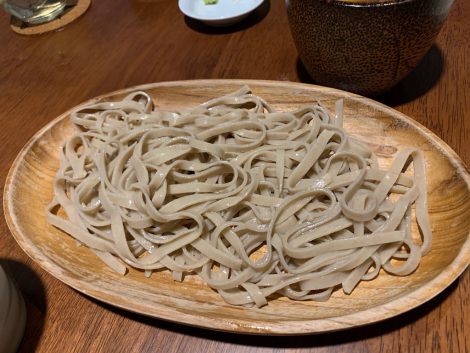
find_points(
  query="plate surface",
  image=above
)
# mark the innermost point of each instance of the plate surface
(223, 13)
(29, 189)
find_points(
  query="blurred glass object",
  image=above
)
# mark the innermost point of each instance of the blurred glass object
(12, 314)
(34, 11)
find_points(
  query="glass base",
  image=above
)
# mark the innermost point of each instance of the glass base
(44, 12)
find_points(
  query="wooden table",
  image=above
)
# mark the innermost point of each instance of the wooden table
(121, 43)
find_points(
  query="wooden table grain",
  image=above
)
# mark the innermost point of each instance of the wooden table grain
(122, 43)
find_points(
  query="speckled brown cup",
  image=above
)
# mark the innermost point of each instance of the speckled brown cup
(365, 47)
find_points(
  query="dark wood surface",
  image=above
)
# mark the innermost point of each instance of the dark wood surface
(121, 43)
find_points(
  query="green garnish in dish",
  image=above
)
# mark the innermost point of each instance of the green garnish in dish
(210, 2)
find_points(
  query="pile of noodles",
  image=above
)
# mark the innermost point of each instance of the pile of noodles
(254, 201)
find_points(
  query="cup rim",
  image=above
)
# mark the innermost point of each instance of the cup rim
(369, 3)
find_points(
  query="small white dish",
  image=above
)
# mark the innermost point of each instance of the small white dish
(224, 13)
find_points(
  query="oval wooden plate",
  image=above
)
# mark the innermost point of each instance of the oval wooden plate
(29, 189)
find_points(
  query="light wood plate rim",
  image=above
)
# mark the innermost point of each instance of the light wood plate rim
(373, 315)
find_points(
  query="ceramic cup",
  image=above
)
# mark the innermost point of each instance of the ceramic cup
(12, 315)
(364, 46)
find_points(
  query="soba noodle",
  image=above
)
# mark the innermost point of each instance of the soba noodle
(254, 201)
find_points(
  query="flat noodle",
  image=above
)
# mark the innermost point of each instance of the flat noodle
(254, 201)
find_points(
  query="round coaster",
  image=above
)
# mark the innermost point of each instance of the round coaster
(68, 16)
